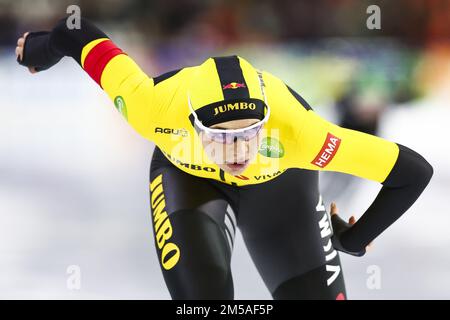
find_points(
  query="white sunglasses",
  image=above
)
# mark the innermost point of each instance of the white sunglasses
(200, 126)
(229, 136)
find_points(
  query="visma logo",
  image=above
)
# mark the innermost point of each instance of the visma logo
(272, 148)
(119, 102)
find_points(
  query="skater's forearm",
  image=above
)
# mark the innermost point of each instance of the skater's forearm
(70, 42)
(403, 186)
(44, 49)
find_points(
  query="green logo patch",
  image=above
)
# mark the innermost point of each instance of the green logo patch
(271, 147)
(119, 102)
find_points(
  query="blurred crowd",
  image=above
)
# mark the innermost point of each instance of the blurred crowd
(222, 21)
(370, 67)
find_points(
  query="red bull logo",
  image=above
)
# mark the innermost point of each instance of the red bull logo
(234, 85)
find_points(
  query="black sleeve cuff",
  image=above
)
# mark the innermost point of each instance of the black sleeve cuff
(70, 42)
(44, 49)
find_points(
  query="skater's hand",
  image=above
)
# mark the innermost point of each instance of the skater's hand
(19, 50)
(339, 227)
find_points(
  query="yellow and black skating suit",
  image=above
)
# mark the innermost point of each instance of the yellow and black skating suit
(295, 136)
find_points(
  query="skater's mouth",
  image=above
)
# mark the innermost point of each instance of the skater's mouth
(235, 166)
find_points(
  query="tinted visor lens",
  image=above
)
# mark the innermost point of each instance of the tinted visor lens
(230, 138)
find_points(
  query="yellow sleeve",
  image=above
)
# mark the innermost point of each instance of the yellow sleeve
(322, 145)
(131, 90)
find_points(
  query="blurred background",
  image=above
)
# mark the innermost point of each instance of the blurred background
(74, 175)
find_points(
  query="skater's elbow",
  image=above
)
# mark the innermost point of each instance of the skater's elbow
(410, 169)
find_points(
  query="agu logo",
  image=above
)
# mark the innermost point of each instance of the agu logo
(170, 252)
(328, 151)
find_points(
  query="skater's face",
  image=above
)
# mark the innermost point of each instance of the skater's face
(233, 155)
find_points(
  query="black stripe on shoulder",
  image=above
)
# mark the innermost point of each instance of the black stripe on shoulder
(165, 76)
(299, 99)
(231, 78)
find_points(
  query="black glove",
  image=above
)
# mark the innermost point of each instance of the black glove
(339, 227)
(37, 52)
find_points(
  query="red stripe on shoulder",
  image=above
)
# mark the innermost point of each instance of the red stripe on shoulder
(99, 56)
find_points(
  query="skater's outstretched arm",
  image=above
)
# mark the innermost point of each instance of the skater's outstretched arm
(117, 74)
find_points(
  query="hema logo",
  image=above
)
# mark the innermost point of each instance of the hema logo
(328, 151)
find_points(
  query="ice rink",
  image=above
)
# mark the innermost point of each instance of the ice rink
(74, 192)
